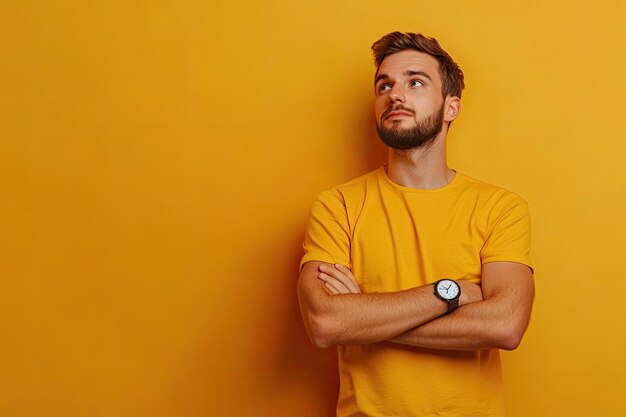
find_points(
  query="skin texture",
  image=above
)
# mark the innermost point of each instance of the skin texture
(354, 317)
(493, 315)
(423, 167)
(508, 290)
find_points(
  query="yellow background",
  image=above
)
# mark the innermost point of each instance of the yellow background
(158, 160)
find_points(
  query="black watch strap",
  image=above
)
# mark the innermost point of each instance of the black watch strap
(452, 305)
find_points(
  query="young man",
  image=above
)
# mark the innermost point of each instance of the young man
(417, 272)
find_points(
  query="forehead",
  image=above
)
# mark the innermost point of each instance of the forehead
(397, 64)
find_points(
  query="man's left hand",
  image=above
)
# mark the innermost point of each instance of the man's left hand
(338, 279)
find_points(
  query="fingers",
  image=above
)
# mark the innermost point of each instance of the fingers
(334, 285)
(347, 272)
(331, 288)
(339, 277)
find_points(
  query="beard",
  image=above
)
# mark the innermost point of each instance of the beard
(423, 134)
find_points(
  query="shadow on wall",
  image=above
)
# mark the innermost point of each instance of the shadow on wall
(375, 153)
(369, 151)
(265, 357)
(301, 370)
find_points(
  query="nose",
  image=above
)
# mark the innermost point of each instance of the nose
(397, 93)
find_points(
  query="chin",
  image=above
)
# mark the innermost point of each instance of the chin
(400, 125)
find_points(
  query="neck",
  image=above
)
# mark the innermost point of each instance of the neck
(422, 168)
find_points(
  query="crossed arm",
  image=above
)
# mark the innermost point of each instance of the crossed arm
(494, 316)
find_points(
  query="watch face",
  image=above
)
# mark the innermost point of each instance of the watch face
(447, 289)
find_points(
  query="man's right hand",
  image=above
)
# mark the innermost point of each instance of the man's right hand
(470, 292)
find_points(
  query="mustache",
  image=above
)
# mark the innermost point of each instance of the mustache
(395, 108)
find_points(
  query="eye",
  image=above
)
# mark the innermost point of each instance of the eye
(416, 83)
(383, 87)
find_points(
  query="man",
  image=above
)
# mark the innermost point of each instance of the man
(417, 272)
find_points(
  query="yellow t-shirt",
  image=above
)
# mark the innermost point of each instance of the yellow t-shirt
(393, 238)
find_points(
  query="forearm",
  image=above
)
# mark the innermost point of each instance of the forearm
(333, 319)
(492, 323)
(369, 318)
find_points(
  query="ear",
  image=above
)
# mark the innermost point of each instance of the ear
(452, 108)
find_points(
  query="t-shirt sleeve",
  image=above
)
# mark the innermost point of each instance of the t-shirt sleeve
(327, 236)
(509, 239)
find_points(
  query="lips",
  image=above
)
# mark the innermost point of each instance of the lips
(398, 113)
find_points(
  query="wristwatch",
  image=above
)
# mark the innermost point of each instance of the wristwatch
(449, 291)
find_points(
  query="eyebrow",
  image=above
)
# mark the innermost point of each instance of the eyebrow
(407, 73)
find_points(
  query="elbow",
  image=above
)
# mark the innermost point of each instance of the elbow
(321, 343)
(510, 338)
(510, 343)
(322, 331)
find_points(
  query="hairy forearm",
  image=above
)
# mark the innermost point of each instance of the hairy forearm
(369, 318)
(364, 318)
(492, 323)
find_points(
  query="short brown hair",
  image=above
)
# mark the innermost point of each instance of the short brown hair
(451, 75)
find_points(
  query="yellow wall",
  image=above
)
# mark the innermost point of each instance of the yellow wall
(157, 163)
